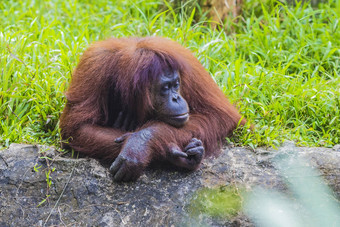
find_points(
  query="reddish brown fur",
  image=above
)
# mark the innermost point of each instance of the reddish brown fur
(116, 74)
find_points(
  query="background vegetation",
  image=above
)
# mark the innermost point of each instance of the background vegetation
(278, 63)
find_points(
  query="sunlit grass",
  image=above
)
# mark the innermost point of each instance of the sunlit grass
(280, 65)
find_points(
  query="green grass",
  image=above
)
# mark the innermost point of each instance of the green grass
(224, 202)
(280, 65)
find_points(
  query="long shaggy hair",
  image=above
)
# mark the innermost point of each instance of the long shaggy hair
(116, 75)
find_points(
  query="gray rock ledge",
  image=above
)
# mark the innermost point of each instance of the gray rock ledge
(160, 197)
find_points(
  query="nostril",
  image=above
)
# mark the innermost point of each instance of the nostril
(175, 97)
